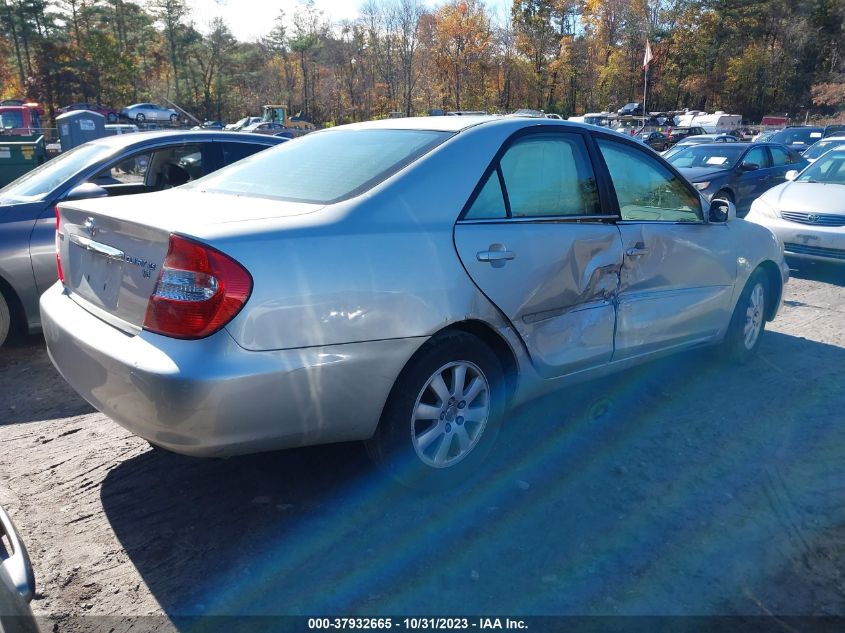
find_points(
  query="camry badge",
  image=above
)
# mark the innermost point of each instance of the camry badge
(91, 227)
(813, 218)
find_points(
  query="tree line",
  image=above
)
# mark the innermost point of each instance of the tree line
(752, 57)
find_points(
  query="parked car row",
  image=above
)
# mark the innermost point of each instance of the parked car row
(463, 300)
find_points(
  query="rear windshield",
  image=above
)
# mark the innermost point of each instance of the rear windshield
(823, 146)
(797, 136)
(323, 167)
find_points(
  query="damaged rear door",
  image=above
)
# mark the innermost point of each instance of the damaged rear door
(535, 240)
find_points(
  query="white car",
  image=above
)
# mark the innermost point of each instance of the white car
(825, 145)
(807, 213)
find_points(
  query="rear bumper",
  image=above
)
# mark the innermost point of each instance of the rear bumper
(213, 398)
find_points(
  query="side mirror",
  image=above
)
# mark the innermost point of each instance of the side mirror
(750, 166)
(721, 211)
(86, 190)
(792, 174)
(17, 566)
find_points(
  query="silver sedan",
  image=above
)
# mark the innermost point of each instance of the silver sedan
(807, 212)
(141, 112)
(402, 282)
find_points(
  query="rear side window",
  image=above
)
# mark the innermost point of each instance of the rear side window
(645, 189)
(544, 175)
(324, 167)
(233, 152)
(781, 156)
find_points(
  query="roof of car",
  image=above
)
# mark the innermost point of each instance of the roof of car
(457, 123)
(122, 140)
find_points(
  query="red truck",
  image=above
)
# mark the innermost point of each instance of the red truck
(20, 118)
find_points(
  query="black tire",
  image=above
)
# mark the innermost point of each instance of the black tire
(407, 448)
(140, 118)
(174, 118)
(739, 346)
(5, 319)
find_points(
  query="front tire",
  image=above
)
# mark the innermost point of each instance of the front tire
(443, 414)
(749, 319)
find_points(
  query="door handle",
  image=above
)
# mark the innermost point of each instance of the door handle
(494, 256)
(636, 252)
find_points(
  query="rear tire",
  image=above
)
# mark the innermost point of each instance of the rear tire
(749, 320)
(5, 319)
(443, 414)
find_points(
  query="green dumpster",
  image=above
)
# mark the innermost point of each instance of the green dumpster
(19, 154)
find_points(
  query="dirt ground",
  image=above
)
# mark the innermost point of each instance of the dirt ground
(686, 487)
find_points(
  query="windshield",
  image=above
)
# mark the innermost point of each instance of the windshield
(830, 168)
(324, 167)
(797, 136)
(823, 146)
(11, 119)
(39, 182)
(712, 157)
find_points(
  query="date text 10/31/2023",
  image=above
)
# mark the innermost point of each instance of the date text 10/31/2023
(417, 623)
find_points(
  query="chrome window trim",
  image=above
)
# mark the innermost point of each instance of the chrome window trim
(546, 219)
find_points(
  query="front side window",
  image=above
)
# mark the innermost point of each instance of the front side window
(130, 171)
(757, 156)
(324, 167)
(645, 189)
(544, 175)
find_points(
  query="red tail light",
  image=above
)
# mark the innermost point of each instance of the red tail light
(199, 290)
(59, 250)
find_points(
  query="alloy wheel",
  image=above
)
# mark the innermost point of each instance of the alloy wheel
(754, 316)
(450, 414)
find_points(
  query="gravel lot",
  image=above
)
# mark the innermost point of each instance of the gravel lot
(685, 487)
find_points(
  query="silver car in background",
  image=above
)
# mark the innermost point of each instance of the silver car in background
(142, 112)
(402, 282)
(807, 213)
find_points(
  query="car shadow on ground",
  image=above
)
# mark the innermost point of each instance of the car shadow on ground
(817, 271)
(33, 389)
(685, 486)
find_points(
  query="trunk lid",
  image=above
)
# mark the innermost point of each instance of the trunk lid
(112, 249)
(110, 264)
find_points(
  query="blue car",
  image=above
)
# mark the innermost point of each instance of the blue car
(110, 166)
(739, 172)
